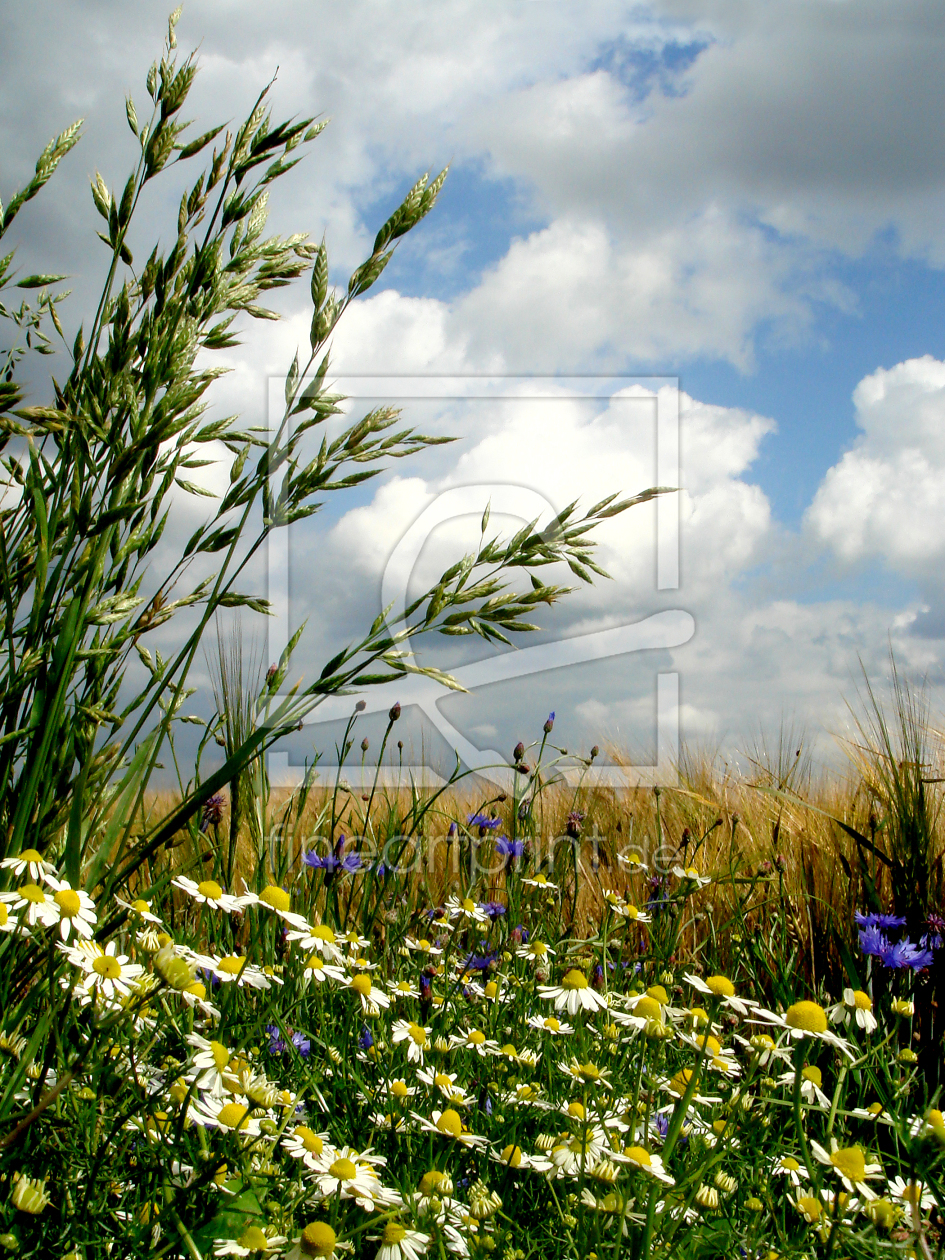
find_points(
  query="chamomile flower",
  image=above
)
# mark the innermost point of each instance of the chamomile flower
(912, 1193)
(278, 901)
(804, 1019)
(353, 1175)
(648, 1162)
(212, 1066)
(372, 997)
(513, 1156)
(541, 881)
(401, 989)
(849, 1163)
(305, 1144)
(858, 1006)
(475, 1040)
(399, 1243)
(110, 974)
(691, 875)
(141, 909)
(466, 908)
(764, 1048)
(35, 905)
(9, 923)
(320, 938)
(586, 1073)
(76, 909)
(252, 1242)
(811, 1083)
(445, 1084)
(787, 1166)
(29, 862)
(551, 1024)
(208, 892)
(619, 904)
(317, 1239)
(449, 1124)
(416, 1038)
(573, 994)
(422, 946)
(235, 969)
(228, 1116)
(535, 951)
(722, 988)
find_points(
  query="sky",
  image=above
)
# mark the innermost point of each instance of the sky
(733, 205)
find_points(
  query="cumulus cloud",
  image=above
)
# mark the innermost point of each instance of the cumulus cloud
(885, 499)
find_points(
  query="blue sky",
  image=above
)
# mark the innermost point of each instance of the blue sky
(747, 196)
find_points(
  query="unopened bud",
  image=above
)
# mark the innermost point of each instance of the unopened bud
(595, 752)
(360, 706)
(549, 724)
(394, 711)
(364, 744)
(518, 752)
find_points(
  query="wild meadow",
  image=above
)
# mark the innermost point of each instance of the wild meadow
(546, 1021)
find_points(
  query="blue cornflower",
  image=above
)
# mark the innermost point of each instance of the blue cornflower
(276, 1043)
(509, 848)
(906, 954)
(494, 909)
(885, 921)
(365, 1041)
(333, 861)
(480, 962)
(873, 941)
(484, 822)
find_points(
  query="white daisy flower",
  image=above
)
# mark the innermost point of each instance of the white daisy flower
(305, 1144)
(913, 1193)
(422, 946)
(551, 1024)
(35, 905)
(466, 909)
(804, 1019)
(351, 1175)
(574, 993)
(540, 881)
(252, 1242)
(721, 987)
(475, 1040)
(212, 1064)
(449, 1124)
(416, 1037)
(858, 1006)
(233, 968)
(691, 875)
(790, 1168)
(513, 1156)
(76, 909)
(141, 909)
(399, 1243)
(8, 922)
(275, 899)
(445, 1084)
(372, 997)
(535, 951)
(208, 892)
(320, 938)
(231, 1117)
(648, 1162)
(811, 1082)
(29, 862)
(849, 1163)
(107, 972)
(586, 1073)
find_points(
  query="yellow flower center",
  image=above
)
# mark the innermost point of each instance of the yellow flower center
(540, 879)
(318, 1239)
(912, 1193)
(233, 1116)
(198, 989)
(107, 967)
(394, 1233)
(576, 1110)
(680, 1082)
(221, 1056)
(140, 905)
(418, 1034)
(649, 1008)
(30, 855)
(450, 1123)
(850, 1163)
(275, 897)
(491, 990)
(810, 1209)
(33, 893)
(399, 1089)
(68, 902)
(476, 1038)
(658, 994)
(253, 1239)
(210, 889)
(469, 905)
(430, 1180)
(638, 1155)
(442, 1081)
(4, 915)
(875, 1108)
(362, 985)
(232, 964)
(309, 1139)
(574, 980)
(761, 1041)
(589, 1072)
(806, 1017)
(862, 1001)
(790, 1164)
(721, 986)
(710, 1044)
(324, 933)
(539, 949)
(813, 1074)
(552, 1024)
(512, 1155)
(343, 1170)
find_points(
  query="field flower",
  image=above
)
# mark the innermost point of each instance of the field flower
(722, 988)
(76, 909)
(353, 1176)
(804, 1019)
(573, 994)
(212, 1064)
(811, 1082)
(849, 1163)
(107, 972)
(252, 1242)
(208, 892)
(229, 1116)
(416, 1037)
(372, 997)
(551, 1024)
(540, 881)
(399, 1243)
(275, 899)
(317, 1239)
(445, 1084)
(449, 1124)
(647, 1162)
(320, 938)
(475, 1040)
(790, 1168)
(38, 905)
(913, 1193)
(234, 968)
(691, 875)
(514, 1157)
(855, 1005)
(586, 1073)
(29, 862)
(466, 908)
(535, 951)
(305, 1144)
(29, 1194)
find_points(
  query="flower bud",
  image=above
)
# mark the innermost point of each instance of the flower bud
(394, 713)
(549, 724)
(518, 752)
(364, 744)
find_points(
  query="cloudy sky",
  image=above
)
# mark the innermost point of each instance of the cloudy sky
(742, 201)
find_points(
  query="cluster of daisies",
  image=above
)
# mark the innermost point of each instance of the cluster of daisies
(411, 1089)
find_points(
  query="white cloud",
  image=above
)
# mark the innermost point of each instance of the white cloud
(885, 499)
